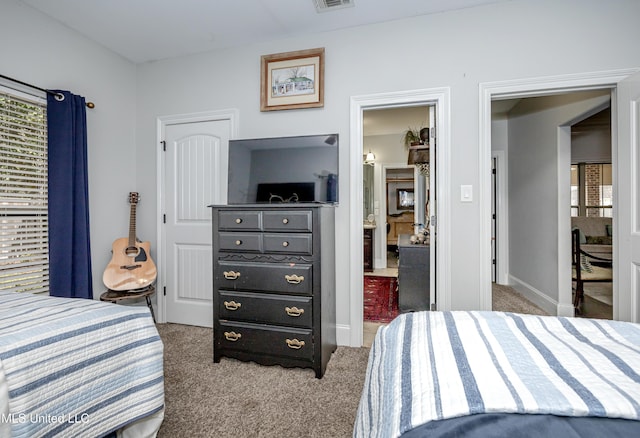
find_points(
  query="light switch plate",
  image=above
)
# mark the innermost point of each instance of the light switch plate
(466, 193)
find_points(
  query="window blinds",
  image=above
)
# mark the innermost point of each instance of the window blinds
(24, 252)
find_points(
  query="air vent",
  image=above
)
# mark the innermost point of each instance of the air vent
(331, 5)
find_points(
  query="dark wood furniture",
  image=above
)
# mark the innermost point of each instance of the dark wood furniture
(413, 275)
(274, 284)
(367, 244)
(115, 296)
(586, 268)
(399, 224)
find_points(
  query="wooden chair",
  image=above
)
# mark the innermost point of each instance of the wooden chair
(587, 268)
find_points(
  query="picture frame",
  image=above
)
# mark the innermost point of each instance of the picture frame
(405, 199)
(292, 80)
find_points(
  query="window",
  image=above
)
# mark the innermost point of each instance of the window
(24, 252)
(591, 190)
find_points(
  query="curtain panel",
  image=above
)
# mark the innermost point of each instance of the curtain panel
(69, 243)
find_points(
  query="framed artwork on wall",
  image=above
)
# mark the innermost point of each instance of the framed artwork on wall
(292, 80)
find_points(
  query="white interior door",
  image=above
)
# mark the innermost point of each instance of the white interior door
(627, 233)
(195, 177)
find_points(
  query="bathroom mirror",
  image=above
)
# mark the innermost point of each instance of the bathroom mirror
(367, 184)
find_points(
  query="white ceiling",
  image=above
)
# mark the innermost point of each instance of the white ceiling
(148, 30)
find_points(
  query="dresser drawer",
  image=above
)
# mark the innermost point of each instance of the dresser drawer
(265, 308)
(265, 339)
(240, 220)
(243, 242)
(267, 277)
(287, 221)
(288, 243)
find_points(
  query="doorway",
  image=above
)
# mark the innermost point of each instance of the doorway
(562, 305)
(440, 262)
(194, 150)
(543, 136)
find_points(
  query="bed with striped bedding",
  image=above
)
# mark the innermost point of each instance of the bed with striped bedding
(499, 374)
(78, 368)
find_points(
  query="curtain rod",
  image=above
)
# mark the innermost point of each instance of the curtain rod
(53, 93)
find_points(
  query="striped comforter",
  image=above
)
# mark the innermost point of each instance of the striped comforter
(76, 367)
(427, 366)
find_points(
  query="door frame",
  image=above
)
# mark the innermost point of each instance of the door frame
(532, 87)
(440, 96)
(232, 115)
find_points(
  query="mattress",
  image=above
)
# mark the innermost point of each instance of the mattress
(78, 368)
(485, 373)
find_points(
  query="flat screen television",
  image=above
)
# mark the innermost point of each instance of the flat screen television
(302, 169)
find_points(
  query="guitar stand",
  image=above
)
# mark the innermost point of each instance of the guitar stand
(115, 296)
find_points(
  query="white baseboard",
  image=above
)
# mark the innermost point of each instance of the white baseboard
(343, 336)
(536, 297)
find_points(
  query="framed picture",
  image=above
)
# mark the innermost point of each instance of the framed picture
(292, 80)
(405, 199)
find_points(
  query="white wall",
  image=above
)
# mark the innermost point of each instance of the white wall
(43, 52)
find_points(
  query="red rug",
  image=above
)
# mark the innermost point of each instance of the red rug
(380, 298)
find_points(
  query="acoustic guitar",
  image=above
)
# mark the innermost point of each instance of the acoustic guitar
(131, 266)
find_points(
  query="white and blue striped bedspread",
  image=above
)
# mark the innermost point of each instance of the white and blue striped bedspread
(427, 366)
(77, 367)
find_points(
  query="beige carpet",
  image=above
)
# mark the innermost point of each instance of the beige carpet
(243, 399)
(507, 299)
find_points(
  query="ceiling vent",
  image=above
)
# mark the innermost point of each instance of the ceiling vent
(331, 5)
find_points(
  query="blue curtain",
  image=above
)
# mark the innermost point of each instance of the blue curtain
(69, 249)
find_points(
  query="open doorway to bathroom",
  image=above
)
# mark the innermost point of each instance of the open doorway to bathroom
(395, 205)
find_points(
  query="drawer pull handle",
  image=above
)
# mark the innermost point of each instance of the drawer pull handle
(293, 311)
(232, 336)
(238, 242)
(294, 279)
(285, 221)
(231, 275)
(238, 220)
(295, 344)
(285, 243)
(232, 305)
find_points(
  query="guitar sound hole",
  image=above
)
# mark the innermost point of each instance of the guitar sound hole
(132, 251)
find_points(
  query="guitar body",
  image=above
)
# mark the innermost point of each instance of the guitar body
(129, 272)
(131, 266)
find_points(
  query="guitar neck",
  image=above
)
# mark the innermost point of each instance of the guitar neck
(132, 225)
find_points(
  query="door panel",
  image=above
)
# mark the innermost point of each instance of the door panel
(193, 180)
(627, 233)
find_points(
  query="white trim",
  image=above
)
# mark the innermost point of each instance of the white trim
(535, 296)
(524, 88)
(443, 273)
(161, 123)
(564, 220)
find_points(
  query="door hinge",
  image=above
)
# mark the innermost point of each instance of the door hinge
(433, 221)
(164, 145)
(493, 171)
(164, 290)
(164, 218)
(433, 307)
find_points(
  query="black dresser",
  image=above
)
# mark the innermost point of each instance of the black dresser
(274, 284)
(413, 275)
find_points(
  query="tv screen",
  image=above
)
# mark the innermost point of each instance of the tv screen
(283, 170)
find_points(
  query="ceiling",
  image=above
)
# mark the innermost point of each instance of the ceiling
(148, 30)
